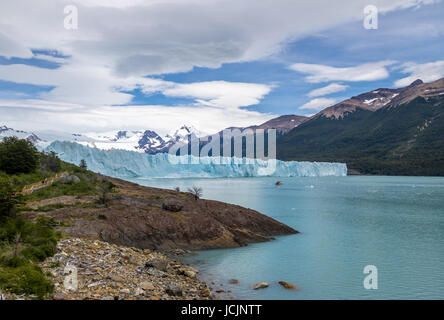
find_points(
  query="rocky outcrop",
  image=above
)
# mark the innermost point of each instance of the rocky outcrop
(143, 217)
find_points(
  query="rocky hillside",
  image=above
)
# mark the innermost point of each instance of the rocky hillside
(384, 97)
(153, 218)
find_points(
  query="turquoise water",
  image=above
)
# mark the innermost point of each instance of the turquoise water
(346, 223)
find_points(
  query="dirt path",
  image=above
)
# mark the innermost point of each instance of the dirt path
(31, 188)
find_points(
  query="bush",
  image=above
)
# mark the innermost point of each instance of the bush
(196, 192)
(9, 198)
(27, 279)
(23, 245)
(105, 187)
(50, 162)
(18, 156)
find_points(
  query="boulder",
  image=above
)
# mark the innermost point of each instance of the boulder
(60, 296)
(260, 285)
(205, 292)
(70, 179)
(172, 205)
(287, 285)
(188, 271)
(174, 290)
(233, 281)
(147, 285)
(158, 264)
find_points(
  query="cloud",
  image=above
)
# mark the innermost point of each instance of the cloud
(74, 85)
(159, 37)
(427, 72)
(331, 88)
(120, 44)
(364, 72)
(221, 93)
(318, 104)
(33, 115)
(11, 48)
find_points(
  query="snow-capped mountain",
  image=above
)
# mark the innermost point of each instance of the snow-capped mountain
(9, 132)
(143, 141)
(147, 141)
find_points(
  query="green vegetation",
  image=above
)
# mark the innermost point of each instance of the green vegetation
(9, 198)
(402, 140)
(50, 162)
(83, 164)
(17, 156)
(24, 243)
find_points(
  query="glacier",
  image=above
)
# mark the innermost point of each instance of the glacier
(130, 164)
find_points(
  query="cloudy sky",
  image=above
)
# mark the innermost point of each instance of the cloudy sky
(157, 64)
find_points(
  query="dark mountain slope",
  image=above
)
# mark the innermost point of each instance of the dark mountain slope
(406, 139)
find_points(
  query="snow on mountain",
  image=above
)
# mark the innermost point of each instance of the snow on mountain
(147, 141)
(143, 141)
(9, 132)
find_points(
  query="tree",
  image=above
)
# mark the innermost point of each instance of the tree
(196, 192)
(83, 164)
(9, 198)
(18, 156)
(50, 162)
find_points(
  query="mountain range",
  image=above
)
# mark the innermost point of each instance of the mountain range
(384, 131)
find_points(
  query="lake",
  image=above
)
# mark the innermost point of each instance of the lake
(346, 223)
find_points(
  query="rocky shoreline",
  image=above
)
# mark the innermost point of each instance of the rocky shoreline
(124, 246)
(106, 271)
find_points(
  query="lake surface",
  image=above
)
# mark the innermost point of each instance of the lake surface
(346, 223)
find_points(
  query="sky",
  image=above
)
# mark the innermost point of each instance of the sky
(159, 64)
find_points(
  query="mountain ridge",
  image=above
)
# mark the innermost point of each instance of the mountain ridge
(401, 137)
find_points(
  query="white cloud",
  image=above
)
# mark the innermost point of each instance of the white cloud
(119, 43)
(364, 72)
(221, 93)
(427, 72)
(33, 115)
(98, 87)
(318, 104)
(331, 88)
(11, 48)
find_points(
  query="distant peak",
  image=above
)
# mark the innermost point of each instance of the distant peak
(416, 82)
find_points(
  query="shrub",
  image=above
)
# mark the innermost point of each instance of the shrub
(196, 192)
(23, 245)
(50, 162)
(83, 164)
(18, 156)
(9, 198)
(27, 279)
(105, 187)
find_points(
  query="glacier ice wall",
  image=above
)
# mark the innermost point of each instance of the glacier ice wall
(121, 163)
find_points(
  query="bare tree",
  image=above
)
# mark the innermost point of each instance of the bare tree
(196, 192)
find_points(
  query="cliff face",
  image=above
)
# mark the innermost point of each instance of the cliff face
(161, 219)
